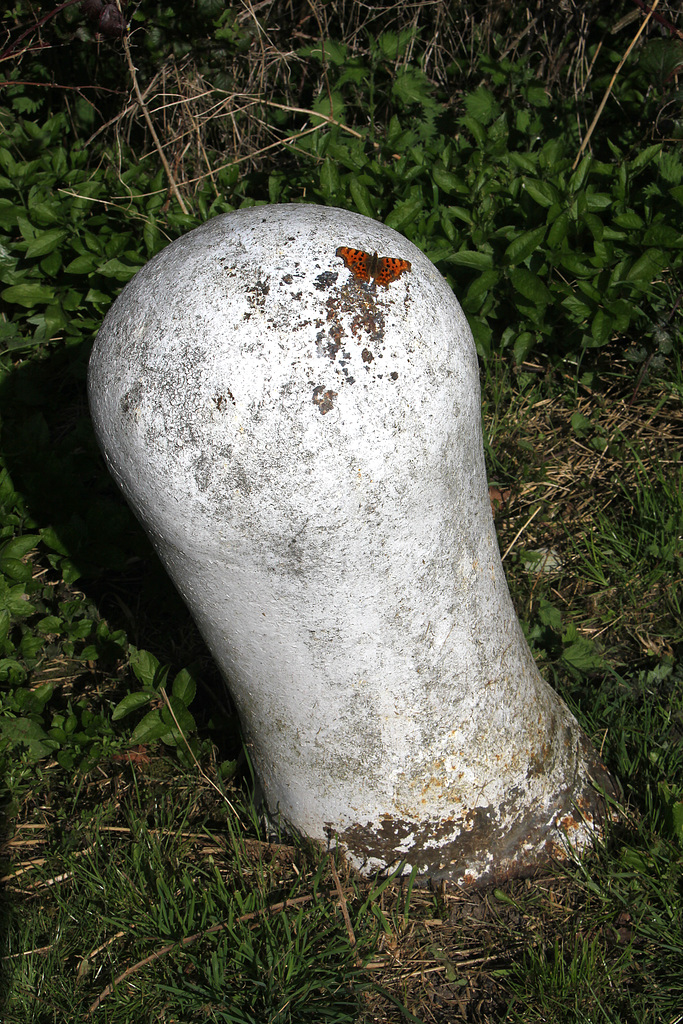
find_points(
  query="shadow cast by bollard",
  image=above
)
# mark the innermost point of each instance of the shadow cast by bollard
(63, 493)
(89, 549)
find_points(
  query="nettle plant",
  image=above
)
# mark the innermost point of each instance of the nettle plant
(540, 253)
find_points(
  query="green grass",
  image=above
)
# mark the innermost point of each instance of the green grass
(156, 918)
(132, 850)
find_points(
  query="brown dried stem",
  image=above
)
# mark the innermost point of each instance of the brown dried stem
(344, 910)
(613, 79)
(188, 940)
(159, 148)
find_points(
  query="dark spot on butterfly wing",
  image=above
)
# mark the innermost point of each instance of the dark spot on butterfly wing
(390, 269)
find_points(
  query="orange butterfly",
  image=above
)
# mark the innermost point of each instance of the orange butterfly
(384, 269)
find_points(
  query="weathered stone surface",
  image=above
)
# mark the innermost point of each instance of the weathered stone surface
(305, 452)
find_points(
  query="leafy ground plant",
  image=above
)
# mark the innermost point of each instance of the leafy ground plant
(140, 881)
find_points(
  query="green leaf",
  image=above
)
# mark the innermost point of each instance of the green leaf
(47, 213)
(49, 624)
(411, 86)
(524, 245)
(12, 672)
(82, 265)
(393, 45)
(622, 313)
(595, 226)
(477, 260)
(70, 571)
(45, 242)
(132, 702)
(9, 213)
(479, 288)
(582, 655)
(18, 732)
(184, 687)
(664, 235)
(15, 600)
(523, 345)
(580, 174)
(645, 157)
(542, 192)
(7, 162)
(361, 198)
(183, 720)
(28, 231)
(598, 200)
(28, 294)
(19, 547)
(5, 622)
(676, 819)
(530, 286)
(635, 861)
(602, 327)
(276, 183)
(581, 425)
(118, 270)
(651, 262)
(537, 96)
(482, 106)
(152, 237)
(573, 262)
(558, 230)
(527, 162)
(144, 666)
(50, 537)
(476, 129)
(149, 729)
(51, 263)
(446, 181)
(403, 213)
(334, 52)
(15, 569)
(482, 334)
(329, 178)
(629, 219)
(30, 646)
(550, 615)
(577, 307)
(672, 799)
(502, 897)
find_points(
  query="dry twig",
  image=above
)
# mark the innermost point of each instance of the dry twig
(199, 768)
(148, 119)
(188, 940)
(613, 79)
(344, 910)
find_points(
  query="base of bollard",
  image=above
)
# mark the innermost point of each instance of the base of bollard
(481, 848)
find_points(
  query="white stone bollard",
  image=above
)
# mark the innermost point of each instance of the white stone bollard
(305, 451)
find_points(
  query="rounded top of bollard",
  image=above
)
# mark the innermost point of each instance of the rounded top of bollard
(352, 298)
(250, 336)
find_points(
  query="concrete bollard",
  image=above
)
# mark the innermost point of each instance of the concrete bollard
(304, 449)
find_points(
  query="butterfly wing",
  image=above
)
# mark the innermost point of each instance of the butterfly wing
(389, 269)
(357, 261)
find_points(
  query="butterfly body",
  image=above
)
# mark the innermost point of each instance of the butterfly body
(366, 266)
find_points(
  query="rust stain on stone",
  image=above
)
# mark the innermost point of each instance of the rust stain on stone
(323, 399)
(487, 844)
